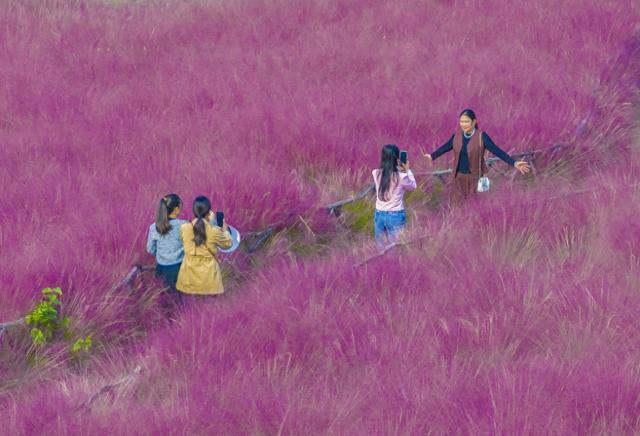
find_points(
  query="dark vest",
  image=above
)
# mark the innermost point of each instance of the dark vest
(475, 151)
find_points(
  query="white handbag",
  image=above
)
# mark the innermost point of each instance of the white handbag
(484, 184)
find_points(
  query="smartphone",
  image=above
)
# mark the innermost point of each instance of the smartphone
(403, 157)
(220, 218)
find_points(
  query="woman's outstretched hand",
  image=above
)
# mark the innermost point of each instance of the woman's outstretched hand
(405, 167)
(426, 155)
(522, 166)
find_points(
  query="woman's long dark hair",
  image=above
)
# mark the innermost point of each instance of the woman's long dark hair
(167, 205)
(471, 114)
(201, 207)
(388, 169)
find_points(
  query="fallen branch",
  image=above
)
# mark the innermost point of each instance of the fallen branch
(333, 208)
(130, 277)
(389, 248)
(110, 388)
(438, 173)
(7, 325)
(260, 238)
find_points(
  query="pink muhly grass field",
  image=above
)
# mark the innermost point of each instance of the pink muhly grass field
(515, 315)
(529, 329)
(108, 107)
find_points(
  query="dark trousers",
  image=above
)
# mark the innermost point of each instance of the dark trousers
(169, 276)
(464, 187)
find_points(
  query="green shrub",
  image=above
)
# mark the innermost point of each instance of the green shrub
(45, 317)
(81, 345)
(47, 322)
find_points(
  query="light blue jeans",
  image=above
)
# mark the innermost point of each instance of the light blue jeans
(387, 225)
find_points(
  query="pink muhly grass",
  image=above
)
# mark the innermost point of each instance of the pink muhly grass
(118, 105)
(516, 315)
(458, 339)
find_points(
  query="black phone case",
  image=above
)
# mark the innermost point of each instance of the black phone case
(219, 218)
(403, 157)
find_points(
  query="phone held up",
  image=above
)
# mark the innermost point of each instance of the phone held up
(220, 218)
(403, 157)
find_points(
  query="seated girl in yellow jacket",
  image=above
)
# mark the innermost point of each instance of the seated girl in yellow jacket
(200, 271)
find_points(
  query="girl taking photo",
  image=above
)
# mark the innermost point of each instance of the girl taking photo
(200, 271)
(391, 180)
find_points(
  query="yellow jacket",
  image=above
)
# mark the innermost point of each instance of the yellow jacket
(200, 272)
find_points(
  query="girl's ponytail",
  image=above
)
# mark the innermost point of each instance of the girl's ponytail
(167, 205)
(201, 208)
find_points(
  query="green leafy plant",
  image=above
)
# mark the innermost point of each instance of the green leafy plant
(45, 317)
(81, 345)
(47, 323)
